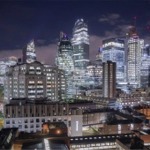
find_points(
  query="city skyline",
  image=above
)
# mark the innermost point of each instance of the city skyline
(24, 20)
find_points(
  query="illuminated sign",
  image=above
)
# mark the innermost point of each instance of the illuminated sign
(77, 125)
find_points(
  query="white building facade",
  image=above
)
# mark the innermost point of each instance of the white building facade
(135, 46)
(29, 117)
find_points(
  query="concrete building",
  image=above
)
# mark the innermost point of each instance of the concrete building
(56, 83)
(29, 116)
(110, 121)
(109, 79)
(34, 81)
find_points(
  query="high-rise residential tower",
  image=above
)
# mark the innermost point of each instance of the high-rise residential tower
(109, 79)
(135, 46)
(29, 54)
(113, 50)
(80, 42)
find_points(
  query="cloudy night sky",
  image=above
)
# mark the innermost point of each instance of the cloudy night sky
(42, 20)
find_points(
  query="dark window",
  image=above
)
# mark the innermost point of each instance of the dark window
(37, 120)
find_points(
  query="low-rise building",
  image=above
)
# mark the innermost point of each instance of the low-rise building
(29, 116)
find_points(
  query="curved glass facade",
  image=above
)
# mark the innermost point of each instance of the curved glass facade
(64, 61)
(64, 58)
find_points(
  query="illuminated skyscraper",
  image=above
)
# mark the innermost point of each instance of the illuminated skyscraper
(135, 46)
(99, 55)
(4, 64)
(146, 50)
(113, 50)
(145, 67)
(80, 42)
(29, 54)
(64, 60)
(109, 79)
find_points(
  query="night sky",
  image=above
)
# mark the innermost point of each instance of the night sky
(42, 20)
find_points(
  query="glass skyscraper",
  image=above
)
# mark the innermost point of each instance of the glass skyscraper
(135, 46)
(145, 67)
(113, 50)
(65, 61)
(80, 42)
(29, 54)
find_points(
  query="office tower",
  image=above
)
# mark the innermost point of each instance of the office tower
(94, 73)
(145, 67)
(146, 50)
(80, 42)
(56, 86)
(29, 54)
(109, 79)
(113, 50)
(4, 63)
(34, 81)
(99, 56)
(64, 59)
(134, 57)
